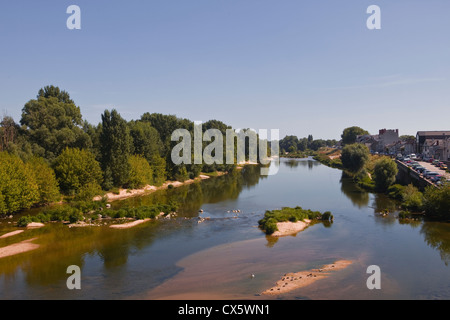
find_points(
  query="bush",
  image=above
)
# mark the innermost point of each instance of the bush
(384, 173)
(412, 198)
(354, 157)
(437, 202)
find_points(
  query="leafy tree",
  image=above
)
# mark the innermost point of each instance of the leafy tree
(141, 173)
(45, 179)
(146, 140)
(385, 172)
(8, 132)
(412, 198)
(437, 201)
(115, 148)
(18, 187)
(349, 134)
(53, 122)
(75, 168)
(354, 157)
(158, 165)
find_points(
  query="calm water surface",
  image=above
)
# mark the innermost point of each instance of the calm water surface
(183, 259)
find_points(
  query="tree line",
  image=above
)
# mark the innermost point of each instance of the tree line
(53, 152)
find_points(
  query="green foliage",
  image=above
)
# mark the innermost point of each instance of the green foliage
(141, 173)
(349, 134)
(395, 191)
(437, 202)
(354, 157)
(75, 169)
(45, 179)
(272, 217)
(115, 148)
(53, 122)
(18, 187)
(412, 198)
(385, 172)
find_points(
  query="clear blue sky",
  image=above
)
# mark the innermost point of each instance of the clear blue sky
(304, 67)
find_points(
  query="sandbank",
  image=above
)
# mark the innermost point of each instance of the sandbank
(128, 193)
(10, 234)
(128, 224)
(17, 248)
(289, 228)
(292, 281)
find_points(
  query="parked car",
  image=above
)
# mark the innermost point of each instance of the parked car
(432, 174)
(435, 162)
(419, 168)
(435, 178)
(444, 166)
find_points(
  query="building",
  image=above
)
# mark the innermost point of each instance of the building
(381, 142)
(431, 136)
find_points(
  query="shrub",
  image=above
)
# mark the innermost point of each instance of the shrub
(412, 198)
(384, 173)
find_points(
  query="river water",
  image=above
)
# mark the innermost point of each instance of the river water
(180, 258)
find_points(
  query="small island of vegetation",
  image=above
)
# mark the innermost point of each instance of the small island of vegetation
(272, 218)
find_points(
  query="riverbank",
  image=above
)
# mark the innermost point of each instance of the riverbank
(128, 193)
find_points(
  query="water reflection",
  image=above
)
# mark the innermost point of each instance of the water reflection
(437, 236)
(359, 197)
(304, 162)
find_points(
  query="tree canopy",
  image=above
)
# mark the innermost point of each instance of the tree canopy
(349, 134)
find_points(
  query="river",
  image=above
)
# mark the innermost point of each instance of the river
(180, 258)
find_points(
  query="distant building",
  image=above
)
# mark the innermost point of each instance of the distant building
(432, 137)
(385, 140)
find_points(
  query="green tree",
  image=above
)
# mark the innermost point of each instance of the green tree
(53, 122)
(45, 179)
(354, 157)
(384, 173)
(18, 187)
(115, 148)
(146, 140)
(75, 168)
(349, 134)
(141, 173)
(158, 165)
(437, 201)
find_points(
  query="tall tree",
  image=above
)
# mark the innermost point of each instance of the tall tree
(354, 157)
(18, 188)
(53, 122)
(75, 169)
(349, 134)
(385, 172)
(115, 148)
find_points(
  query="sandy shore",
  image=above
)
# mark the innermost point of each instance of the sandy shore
(17, 248)
(128, 193)
(128, 224)
(292, 281)
(290, 228)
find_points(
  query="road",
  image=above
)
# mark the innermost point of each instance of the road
(431, 167)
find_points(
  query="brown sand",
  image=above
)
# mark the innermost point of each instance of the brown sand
(292, 281)
(17, 248)
(10, 234)
(289, 228)
(128, 193)
(128, 224)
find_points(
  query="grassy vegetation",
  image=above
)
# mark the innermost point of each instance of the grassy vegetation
(84, 210)
(272, 217)
(329, 157)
